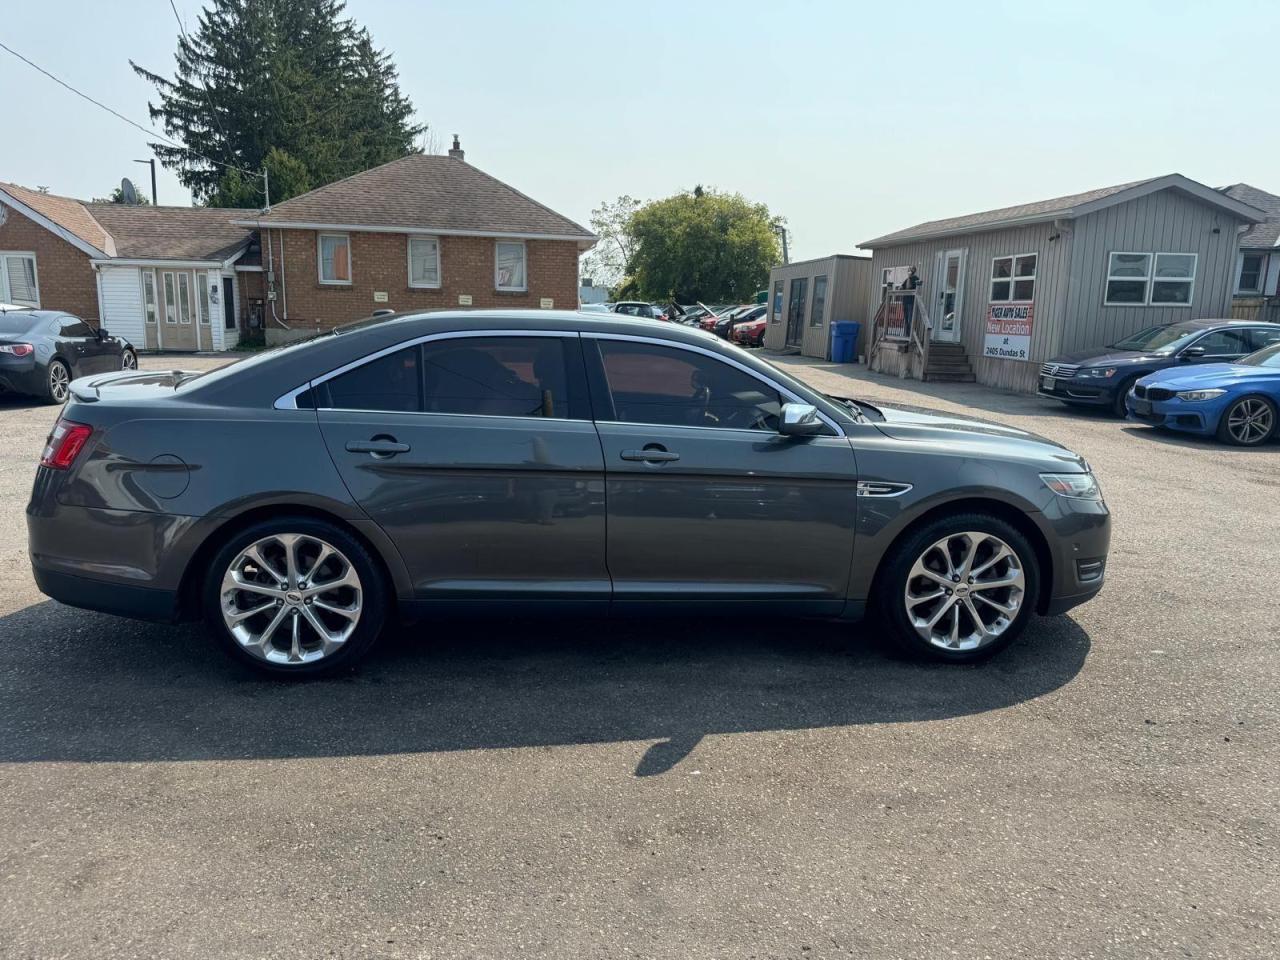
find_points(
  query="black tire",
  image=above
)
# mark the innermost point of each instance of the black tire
(1224, 424)
(1117, 405)
(57, 390)
(889, 608)
(375, 599)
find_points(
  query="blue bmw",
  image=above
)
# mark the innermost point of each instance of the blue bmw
(1236, 401)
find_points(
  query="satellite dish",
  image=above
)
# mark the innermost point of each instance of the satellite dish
(127, 192)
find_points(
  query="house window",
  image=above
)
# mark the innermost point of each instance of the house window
(894, 277)
(1013, 278)
(1150, 279)
(819, 301)
(1174, 280)
(335, 258)
(203, 283)
(777, 302)
(509, 266)
(1253, 267)
(170, 299)
(149, 295)
(184, 298)
(424, 262)
(18, 279)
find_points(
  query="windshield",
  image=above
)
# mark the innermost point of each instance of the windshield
(11, 323)
(1266, 357)
(1167, 338)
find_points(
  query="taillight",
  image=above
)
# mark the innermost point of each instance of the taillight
(65, 443)
(17, 349)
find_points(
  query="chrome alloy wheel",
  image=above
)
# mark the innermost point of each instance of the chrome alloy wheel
(291, 599)
(128, 360)
(59, 382)
(965, 590)
(1250, 421)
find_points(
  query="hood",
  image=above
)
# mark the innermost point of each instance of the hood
(1102, 357)
(983, 438)
(1210, 375)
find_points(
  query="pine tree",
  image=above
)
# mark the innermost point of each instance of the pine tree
(290, 85)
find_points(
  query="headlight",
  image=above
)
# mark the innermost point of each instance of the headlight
(1076, 486)
(1099, 372)
(1195, 395)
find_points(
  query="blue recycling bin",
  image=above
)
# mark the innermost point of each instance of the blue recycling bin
(844, 341)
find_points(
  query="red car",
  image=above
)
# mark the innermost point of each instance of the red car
(751, 333)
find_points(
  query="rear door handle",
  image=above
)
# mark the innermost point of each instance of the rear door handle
(379, 448)
(650, 455)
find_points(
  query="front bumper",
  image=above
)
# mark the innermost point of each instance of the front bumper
(1090, 391)
(1079, 536)
(1200, 417)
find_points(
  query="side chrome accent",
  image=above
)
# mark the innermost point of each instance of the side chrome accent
(876, 488)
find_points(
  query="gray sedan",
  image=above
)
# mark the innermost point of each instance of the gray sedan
(493, 461)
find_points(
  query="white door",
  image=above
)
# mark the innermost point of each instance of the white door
(945, 310)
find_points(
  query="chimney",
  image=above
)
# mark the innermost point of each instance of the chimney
(456, 150)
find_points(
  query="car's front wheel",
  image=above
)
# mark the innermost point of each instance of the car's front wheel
(295, 596)
(1248, 422)
(58, 383)
(128, 360)
(959, 589)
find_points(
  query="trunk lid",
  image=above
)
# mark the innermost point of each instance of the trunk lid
(129, 385)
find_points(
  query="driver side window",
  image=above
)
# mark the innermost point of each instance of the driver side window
(648, 383)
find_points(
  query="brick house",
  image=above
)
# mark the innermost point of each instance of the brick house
(164, 278)
(421, 232)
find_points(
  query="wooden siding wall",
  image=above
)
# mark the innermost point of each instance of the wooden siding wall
(1052, 268)
(1164, 222)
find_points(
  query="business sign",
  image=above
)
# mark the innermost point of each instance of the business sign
(1009, 331)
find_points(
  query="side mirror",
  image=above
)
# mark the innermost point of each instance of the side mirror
(799, 420)
(102, 333)
(1191, 353)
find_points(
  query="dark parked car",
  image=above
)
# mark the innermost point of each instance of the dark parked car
(300, 499)
(42, 351)
(1103, 377)
(725, 325)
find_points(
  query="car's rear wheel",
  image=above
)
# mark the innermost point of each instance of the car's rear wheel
(128, 360)
(58, 383)
(295, 596)
(959, 589)
(1248, 422)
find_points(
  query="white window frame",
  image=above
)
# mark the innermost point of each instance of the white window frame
(1262, 272)
(154, 319)
(524, 253)
(1151, 278)
(182, 282)
(439, 278)
(5, 293)
(1189, 281)
(346, 238)
(202, 299)
(1013, 277)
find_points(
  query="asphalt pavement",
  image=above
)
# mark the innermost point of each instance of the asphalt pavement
(677, 788)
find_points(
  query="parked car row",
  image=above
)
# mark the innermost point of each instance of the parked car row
(1212, 377)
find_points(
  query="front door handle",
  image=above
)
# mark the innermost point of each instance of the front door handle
(651, 454)
(378, 447)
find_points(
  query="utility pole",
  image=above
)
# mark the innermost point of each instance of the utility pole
(266, 185)
(155, 200)
(782, 231)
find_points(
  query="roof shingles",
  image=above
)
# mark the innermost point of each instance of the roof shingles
(427, 193)
(1264, 235)
(173, 233)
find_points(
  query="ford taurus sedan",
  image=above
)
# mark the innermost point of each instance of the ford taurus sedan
(302, 499)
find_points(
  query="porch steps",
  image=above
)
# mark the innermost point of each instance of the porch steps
(948, 363)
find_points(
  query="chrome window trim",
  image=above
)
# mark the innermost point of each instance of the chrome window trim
(692, 348)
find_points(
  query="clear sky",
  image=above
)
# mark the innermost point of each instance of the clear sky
(848, 119)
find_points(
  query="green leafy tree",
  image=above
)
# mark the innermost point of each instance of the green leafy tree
(117, 196)
(702, 245)
(607, 262)
(290, 84)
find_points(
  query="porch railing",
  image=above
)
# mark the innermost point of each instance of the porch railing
(902, 320)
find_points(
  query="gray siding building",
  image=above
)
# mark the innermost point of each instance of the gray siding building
(1014, 287)
(807, 296)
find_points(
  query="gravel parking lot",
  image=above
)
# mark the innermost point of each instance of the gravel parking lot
(1107, 788)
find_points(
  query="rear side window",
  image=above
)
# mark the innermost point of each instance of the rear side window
(72, 327)
(497, 376)
(393, 383)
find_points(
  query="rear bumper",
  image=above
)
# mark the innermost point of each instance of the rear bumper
(124, 600)
(21, 375)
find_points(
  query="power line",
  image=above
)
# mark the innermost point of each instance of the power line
(115, 113)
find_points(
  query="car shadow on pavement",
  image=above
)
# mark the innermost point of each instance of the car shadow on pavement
(87, 687)
(1172, 438)
(20, 401)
